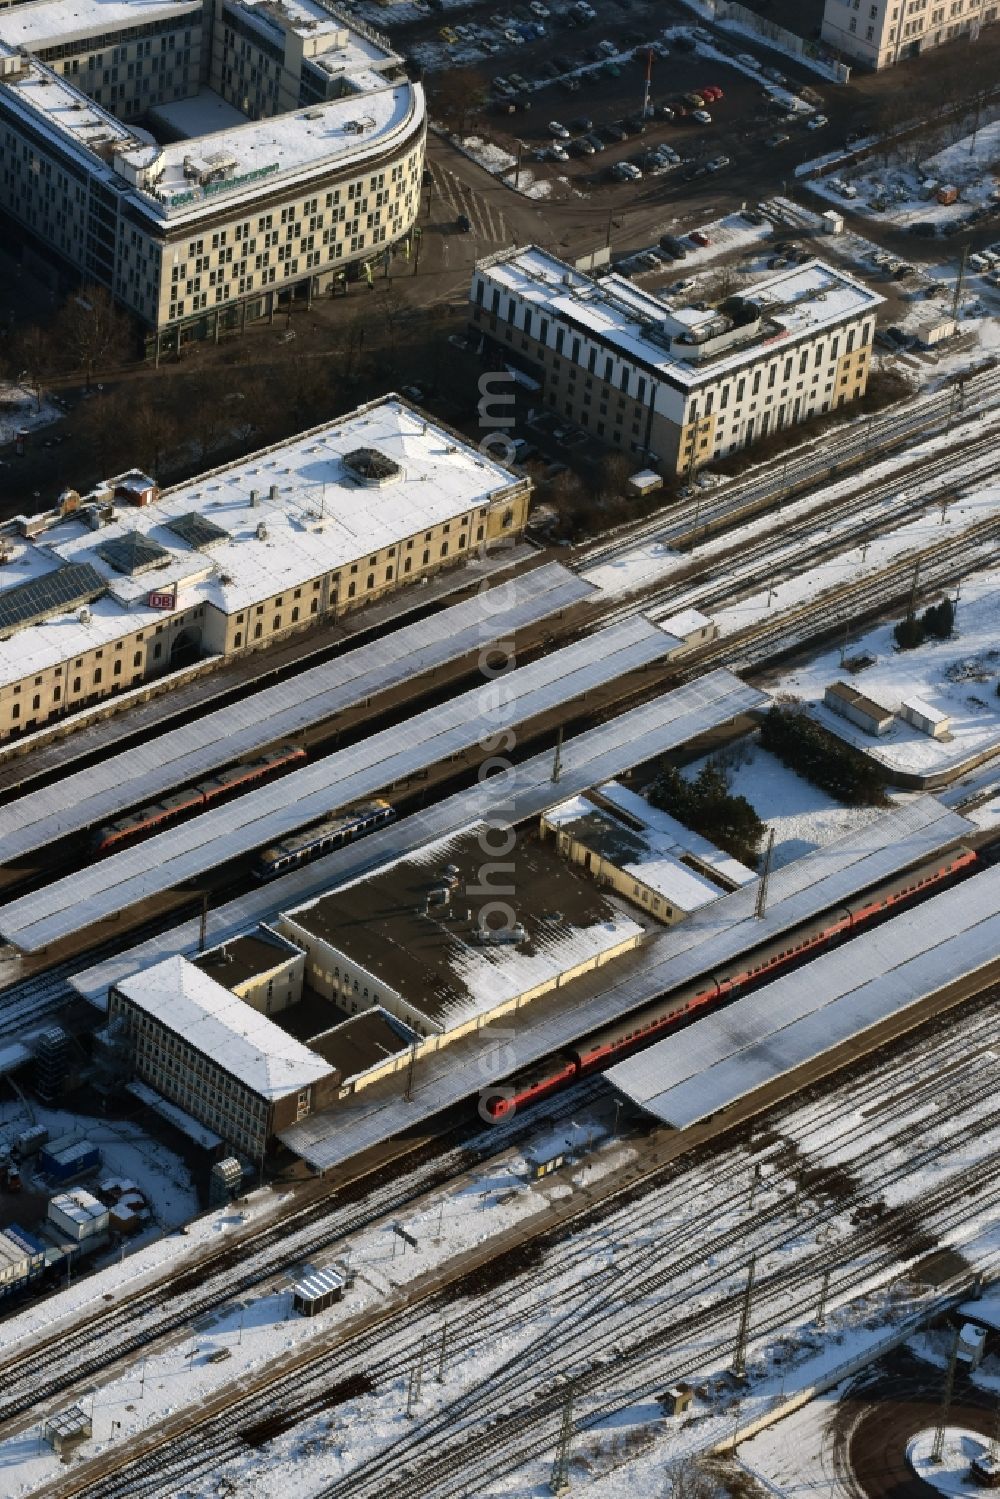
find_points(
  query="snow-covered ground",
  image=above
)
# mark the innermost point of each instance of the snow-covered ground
(891, 192)
(950, 1474)
(959, 676)
(803, 817)
(500, 163)
(127, 1150)
(21, 408)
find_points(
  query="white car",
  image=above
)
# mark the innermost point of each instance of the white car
(702, 116)
(514, 37)
(816, 122)
(538, 9)
(559, 131)
(557, 152)
(661, 49)
(608, 48)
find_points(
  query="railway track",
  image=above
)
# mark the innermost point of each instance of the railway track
(109, 1333)
(648, 1271)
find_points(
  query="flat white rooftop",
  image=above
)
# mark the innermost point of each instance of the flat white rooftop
(319, 518)
(807, 298)
(214, 1021)
(42, 23)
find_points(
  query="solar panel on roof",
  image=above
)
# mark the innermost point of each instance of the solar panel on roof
(25, 603)
(197, 530)
(132, 553)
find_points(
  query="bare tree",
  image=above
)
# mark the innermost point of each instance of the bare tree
(92, 332)
(455, 95)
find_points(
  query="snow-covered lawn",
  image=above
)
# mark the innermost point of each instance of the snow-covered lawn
(500, 163)
(803, 817)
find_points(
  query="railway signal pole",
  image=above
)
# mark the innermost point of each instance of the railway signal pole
(937, 1451)
(441, 1352)
(740, 1355)
(416, 1376)
(557, 762)
(559, 1479)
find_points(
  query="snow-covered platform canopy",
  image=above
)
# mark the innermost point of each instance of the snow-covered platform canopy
(724, 1056)
(144, 771)
(589, 758)
(77, 902)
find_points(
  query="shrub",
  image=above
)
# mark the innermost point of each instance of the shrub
(706, 805)
(812, 753)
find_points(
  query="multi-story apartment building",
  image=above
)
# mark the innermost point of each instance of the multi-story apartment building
(314, 160)
(110, 589)
(878, 33)
(676, 385)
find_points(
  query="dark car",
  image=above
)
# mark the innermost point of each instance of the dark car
(673, 246)
(634, 124)
(752, 216)
(463, 224)
(569, 85)
(582, 123)
(596, 141)
(925, 229)
(614, 133)
(665, 112)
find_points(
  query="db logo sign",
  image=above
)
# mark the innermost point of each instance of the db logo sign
(161, 600)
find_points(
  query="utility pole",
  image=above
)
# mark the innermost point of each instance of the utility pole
(413, 1387)
(937, 1451)
(823, 1293)
(203, 928)
(761, 905)
(913, 590)
(408, 1094)
(441, 1352)
(754, 1182)
(797, 1199)
(557, 762)
(740, 1356)
(559, 1478)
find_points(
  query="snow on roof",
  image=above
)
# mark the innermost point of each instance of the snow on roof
(843, 992)
(212, 1020)
(925, 710)
(687, 622)
(45, 22)
(643, 327)
(986, 1310)
(321, 516)
(651, 846)
(679, 837)
(283, 146)
(80, 1205)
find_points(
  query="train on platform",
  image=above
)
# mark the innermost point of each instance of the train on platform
(202, 794)
(332, 833)
(749, 969)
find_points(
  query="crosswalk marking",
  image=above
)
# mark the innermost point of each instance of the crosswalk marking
(488, 222)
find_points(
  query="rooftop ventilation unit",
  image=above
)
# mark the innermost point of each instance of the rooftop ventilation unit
(261, 531)
(370, 466)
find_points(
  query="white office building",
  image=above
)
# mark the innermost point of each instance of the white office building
(676, 385)
(280, 142)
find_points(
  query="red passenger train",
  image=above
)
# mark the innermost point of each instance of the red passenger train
(648, 1024)
(147, 819)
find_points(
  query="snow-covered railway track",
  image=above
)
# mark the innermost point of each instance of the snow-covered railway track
(763, 1226)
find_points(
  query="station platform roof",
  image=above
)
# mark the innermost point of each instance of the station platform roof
(798, 893)
(144, 771)
(269, 812)
(526, 790)
(726, 1055)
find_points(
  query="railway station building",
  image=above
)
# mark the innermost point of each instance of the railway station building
(642, 853)
(878, 33)
(676, 386)
(452, 938)
(202, 160)
(122, 585)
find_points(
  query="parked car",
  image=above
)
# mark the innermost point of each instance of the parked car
(717, 163)
(816, 122)
(607, 49)
(448, 35)
(696, 101)
(699, 237)
(752, 216)
(558, 152)
(582, 147)
(463, 224)
(772, 142)
(596, 142)
(684, 284)
(711, 92)
(702, 116)
(665, 112)
(775, 75)
(583, 124)
(569, 84)
(538, 9)
(673, 246)
(748, 61)
(503, 86)
(559, 130)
